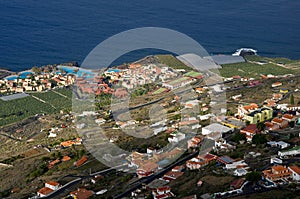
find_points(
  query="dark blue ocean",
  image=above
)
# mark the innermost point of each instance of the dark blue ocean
(39, 32)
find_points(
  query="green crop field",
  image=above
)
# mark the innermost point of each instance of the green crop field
(160, 90)
(56, 100)
(172, 62)
(18, 109)
(253, 70)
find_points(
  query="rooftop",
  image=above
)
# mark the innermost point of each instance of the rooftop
(296, 169)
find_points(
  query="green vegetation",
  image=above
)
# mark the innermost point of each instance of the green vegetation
(40, 170)
(259, 139)
(261, 126)
(253, 70)
(12, 159)
(18, 109)
(160, 90)
(56, 100)
(292, 100)
(278, 60)
(238, 137)
(172, 62)
(253, 176)
(193, 74)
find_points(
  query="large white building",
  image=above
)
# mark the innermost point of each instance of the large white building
(215, 127)
(293, 151)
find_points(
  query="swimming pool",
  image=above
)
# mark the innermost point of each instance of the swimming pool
(79, 72)
(22, 75)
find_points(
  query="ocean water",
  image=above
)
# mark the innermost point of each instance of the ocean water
(39, 32)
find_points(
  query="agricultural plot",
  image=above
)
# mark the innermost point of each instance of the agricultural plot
(253, 70)
(64, 91)
(54, 99)
(18, 109)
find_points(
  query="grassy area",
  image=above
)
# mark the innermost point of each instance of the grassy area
(279, 60)
(257, 65)
(18, 109)
(253, 70)
(172, 62)
(160, 90)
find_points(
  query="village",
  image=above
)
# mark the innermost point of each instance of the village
(254, 145)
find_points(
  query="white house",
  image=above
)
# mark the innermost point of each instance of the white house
(240, 172)
(176, 137)
(295, 172)
(235, 165)
(280, 144)
(293, 151)
(275, 160)
(52, 185)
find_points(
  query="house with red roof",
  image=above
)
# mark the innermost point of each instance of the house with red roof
(162, 192)
(81, 161)
(147, 169)
(81, 193)
(249, 131)
(289, 117)
(49, 188)
(277, 172)
(295, 172)
(194, 142)
(244, 110)
(172, 175)
(200, 161)
(51, 164)
(271, 126)
(280, 122)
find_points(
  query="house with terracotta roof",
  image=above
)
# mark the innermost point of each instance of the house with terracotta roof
(289, 117)
(81, 193)
(237, 184)
(270, 102)
(54, 162)
(196, 163)
(44, 192)
(65, 158)
(277, 96)
(249, 131)
(200, 161)
(276, 84)
(147, 169)
(194, 142)
(50, 186)
(280, 122)
(277, 172)
(162, 192)
(243, 110)
(271, 126)
(81, 161)
(295, 172)
(172, 175)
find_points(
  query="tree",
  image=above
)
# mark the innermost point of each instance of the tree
(238, 137)
(36, 70)
(260, 126)
(292, 101)
(253, 176)
(259, 139)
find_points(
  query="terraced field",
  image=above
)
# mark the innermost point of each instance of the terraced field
(18, 109)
